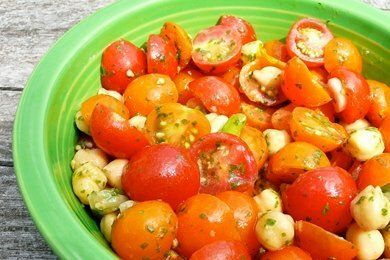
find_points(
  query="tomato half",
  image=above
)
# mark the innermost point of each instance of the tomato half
(161, 56)
(277, 49)
(327, 194)
(341, 159)
(216, 95)
(321, 244)
(244, 28)
(226, 250)
(121, 62)
(380, 107)
(257, 116)
(385, 131)
(225, 163)
(182, 80)
(114, 135)
(162, 172)
(217, 48)
(286, 253)
(375, 172)
(204, 219)
(231, 76)
(282, 117)
(341, 52)
(307, 39)
(256, 143)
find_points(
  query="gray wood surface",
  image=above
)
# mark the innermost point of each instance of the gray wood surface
(27, 30)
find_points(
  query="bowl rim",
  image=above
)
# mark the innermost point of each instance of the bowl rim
(28, 140)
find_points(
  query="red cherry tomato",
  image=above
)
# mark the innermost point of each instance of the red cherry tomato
(114, 135)
(217, 48)
(161, 171)
(307, 39)
(287, 253)
(245, 29)
(277, 50)
(226, 250)
(231, 76)
(225, 162)
(162, 56)
(327, 193)
(340, 158)
(121, 62)
(216, 95)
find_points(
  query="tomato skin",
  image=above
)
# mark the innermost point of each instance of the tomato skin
(204, 219)
(375, 172)
(145, 230)
(281, 118)
(277, 49)
(114, 135)
(296, 33)
(226, 250)
(327, 110)
(257, 116)
(321, 244)
(117, 59)
(245, 29)
(161, 56)
(182, 80)
(161, 172)
(380, 107)
(231, 76)
(341, 159)
(341, 52)
(357, 94)
(330, 190)
(385, 131)
(245, 211)
(286, 253)
(216, 95)
(256, 143)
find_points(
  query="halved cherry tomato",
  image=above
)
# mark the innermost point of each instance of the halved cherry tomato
(286, 253)
(217, 48)
(161, 56)
(245, 212)
(327, 194)
(256, 143)
(216, 95)
(244, 28)
(112, 103)
(277, 49)
(195, 103)
(327, 110)
(320, 73)
(380, 107)
(293, 160)
(281, 118)
(147, 92)
(310, 126)
(162, 172)
(269, 96)
(144, 231)
(307, 39)
(231, 76)
(225, 162)
(182, 80)
(121, 62)
(355, 169)
(302, 87)
(375, 172)
(321, 244)
(341, 52)
(181, 39)
(226, 250)
(341, 159)
(114, 135)
(257, 116)
(356, 93)
(176, 124)
(204, 219)
(385, 131)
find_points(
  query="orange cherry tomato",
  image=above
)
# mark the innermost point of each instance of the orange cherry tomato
(320, 73)
(287, 253)
(294, 159)
(341, 52)
(310, 126)
(226, 250)
(281, 118)
(256, 143)
(204, 219)
(144, 231)
(146, 92)
(302, 87)
(380, 106)
(375, 171)
(182, 80)
(231, 76)
(257, 116)
(321, 244)
(277, 49)
(341, 159)
(385, 131)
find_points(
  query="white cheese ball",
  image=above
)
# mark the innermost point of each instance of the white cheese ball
(275, 230)
(276, 139)
(370, 244)
(250, 50)
(106, 225)
(138, 122)
(268, 200)
(80, 123)
(357, 125)
(386, 238)
(363, 144)
(371, 209)
(114, 171)
(268, 77)
(95, 156)
(216, 121)
(111, 93)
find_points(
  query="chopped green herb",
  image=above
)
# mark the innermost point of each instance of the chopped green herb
(144, 245)
(269, 222)
(202, 216)
(384, 212)
(325, 210)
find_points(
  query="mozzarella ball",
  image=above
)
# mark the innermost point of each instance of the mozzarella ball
(363, 144)
(95, 156)
(113, 172)
(370, 244)
(111, 93)
(269, 76)
(357, 125)
(371, 209)
(216, 121)
(275, 230)
(250, 50)
(276, 139)
(386, 238)
(268, 200)
(106, 225)
(80, 123)
(138, 122)
(106, 201)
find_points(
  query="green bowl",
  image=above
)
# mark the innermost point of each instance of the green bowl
(44, 133)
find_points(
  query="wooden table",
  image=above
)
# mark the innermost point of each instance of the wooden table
(27, 30)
